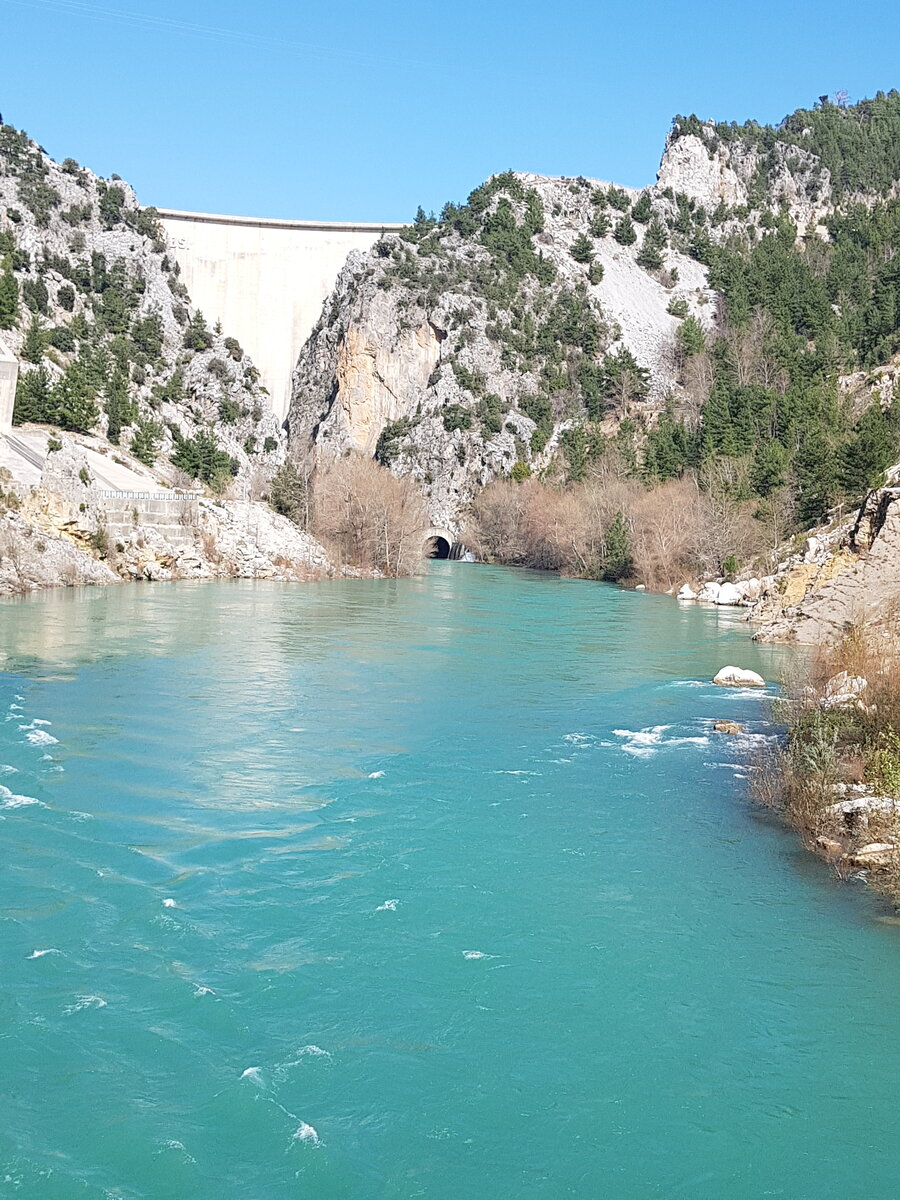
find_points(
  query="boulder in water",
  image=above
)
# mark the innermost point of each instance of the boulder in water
(728, 727)
(686, 592)
(738, 677)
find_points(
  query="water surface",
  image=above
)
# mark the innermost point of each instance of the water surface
(437, 888)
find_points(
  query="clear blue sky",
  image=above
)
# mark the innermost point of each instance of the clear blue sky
(355, 111)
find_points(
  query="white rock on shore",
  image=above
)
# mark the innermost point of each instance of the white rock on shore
(738, 677)
(686, 592)
(728, 594)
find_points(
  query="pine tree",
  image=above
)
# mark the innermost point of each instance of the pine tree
(33, 401)
(35, 341)
(617, 563)
(582, 250)
(600, 224)
(73, 400)
(717, 433)
(9, 298)
(624, 232)
(121, 409)
(197, 335)
(690, 337)
(641, 209)
(650, 253)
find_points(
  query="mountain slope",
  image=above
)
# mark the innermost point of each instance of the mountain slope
(745, 308)
(90, 299)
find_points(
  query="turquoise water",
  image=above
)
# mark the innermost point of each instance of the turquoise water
(354, 891)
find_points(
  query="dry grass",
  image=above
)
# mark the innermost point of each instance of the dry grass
(829, 751)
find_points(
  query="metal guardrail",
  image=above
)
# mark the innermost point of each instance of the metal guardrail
(27, 452)
(119, 495)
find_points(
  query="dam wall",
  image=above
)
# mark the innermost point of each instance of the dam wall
(265, 280)
(9, 370)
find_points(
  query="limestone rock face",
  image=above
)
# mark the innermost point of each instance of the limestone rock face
(395, 353)
(856, 582)
(713, 172)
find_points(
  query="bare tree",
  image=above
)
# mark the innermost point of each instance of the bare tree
(373, 519)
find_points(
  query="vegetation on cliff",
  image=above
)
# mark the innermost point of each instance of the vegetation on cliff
(785, 395)
(92, 302)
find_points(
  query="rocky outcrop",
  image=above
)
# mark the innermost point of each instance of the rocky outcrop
(851, 576)
(435, 349)
(60, 533)
(737, 173)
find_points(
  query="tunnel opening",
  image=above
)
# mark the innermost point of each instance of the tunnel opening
(437, 547)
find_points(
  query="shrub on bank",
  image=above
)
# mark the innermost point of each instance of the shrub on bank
(836, 775)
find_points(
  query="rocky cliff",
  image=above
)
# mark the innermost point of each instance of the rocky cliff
(91, 302)
(464, 348)
(471, 346)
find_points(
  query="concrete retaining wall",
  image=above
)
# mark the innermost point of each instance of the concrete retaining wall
(174, 517)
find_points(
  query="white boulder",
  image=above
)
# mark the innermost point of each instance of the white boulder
(844, 691)
(709, 591)
(728, 594)
(738, 677)
(686, 592)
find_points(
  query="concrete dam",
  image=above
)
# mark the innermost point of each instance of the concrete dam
(265, 280)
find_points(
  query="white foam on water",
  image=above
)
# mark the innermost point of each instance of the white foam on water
(169, 903)
(201, 990)
(516, 772)
(476, 954)
(9, 799)
(313, 1051)
(174, 1144)
(40, 721)
(306, 1133)
(254, 1075)
(39, 737)
(576, 739)
(6, 769)
(83, 1002)
(642, 743)
(388, 906)
(375, 775)
(41, 953)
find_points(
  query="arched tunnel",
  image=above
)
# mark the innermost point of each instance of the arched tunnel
(440, 543)
(438, 547)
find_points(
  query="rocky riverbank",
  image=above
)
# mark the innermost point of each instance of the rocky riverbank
(65, 530)
(836, 776)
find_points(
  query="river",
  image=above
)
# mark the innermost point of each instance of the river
(441, 888)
